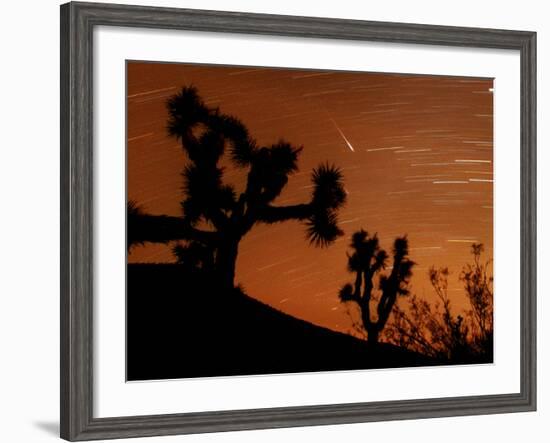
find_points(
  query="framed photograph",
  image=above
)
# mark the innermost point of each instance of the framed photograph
(273, 221)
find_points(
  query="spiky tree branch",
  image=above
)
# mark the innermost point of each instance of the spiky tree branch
(144, 228)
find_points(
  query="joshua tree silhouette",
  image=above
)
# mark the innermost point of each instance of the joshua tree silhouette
(367, 261)
(215, 217)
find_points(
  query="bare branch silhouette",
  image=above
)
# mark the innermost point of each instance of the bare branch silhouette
(436, 331)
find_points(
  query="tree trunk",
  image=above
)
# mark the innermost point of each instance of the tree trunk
(358, 282)
(226, 260)
(371, 327)
(372, 335)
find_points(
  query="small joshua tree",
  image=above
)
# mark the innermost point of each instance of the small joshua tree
(367, 262)
(215, 217)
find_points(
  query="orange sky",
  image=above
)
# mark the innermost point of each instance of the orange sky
(416, 153)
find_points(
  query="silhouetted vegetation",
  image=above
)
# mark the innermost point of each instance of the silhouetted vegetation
(215, 216)
(434, 330)
(367, 262)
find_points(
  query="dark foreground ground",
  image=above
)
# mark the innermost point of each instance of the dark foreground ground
(177, 329)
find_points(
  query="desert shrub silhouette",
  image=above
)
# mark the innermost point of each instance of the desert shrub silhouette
(367, 262)
(434, 330)
(215, 217)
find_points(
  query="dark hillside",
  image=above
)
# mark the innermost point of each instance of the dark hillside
(176, 328)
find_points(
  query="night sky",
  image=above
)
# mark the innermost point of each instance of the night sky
(416, 153)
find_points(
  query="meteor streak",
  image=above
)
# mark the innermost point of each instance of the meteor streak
(343, 136)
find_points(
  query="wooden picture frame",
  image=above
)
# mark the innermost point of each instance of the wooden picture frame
(77, 23)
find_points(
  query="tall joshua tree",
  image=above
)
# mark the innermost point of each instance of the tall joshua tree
(367, 262)
(215, 215)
